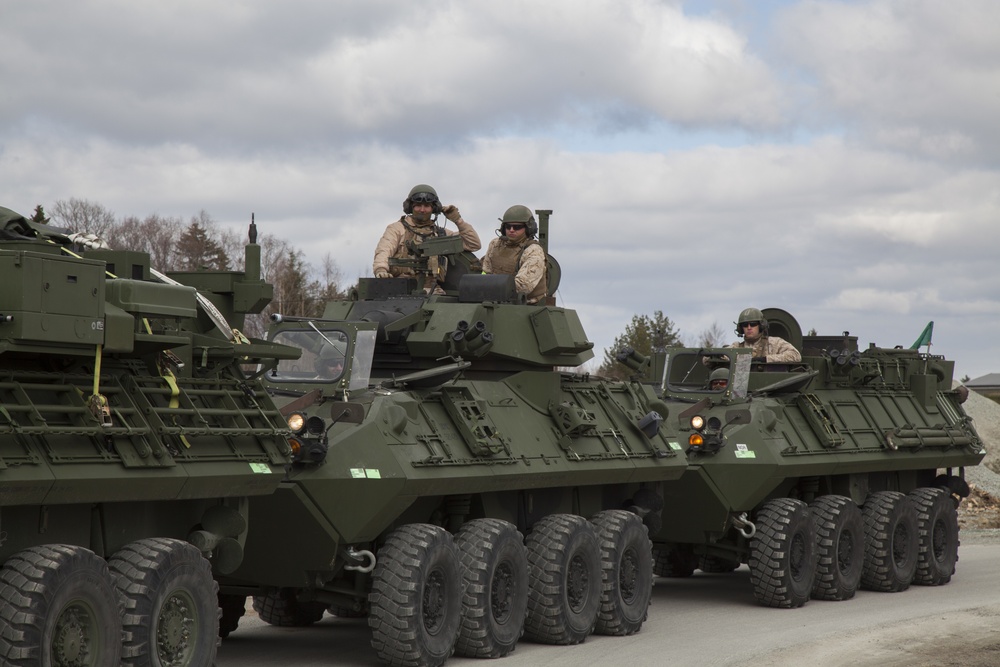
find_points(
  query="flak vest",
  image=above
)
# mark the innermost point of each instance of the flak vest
(416, 234)
(507, 259)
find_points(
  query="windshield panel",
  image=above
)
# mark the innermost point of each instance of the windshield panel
(323, 355)
(706, 372)
(361, 364)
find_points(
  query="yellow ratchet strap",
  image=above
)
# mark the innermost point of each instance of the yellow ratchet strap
(171, 380)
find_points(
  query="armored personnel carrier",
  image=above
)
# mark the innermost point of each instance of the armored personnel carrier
(130, 441)
(451, 482)
(839, 471)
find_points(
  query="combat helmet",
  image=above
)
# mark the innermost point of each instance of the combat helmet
(422, 193)
(522, 214)
(751, 315)
(718, 374)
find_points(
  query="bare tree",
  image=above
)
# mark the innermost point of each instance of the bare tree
(155, 234)
(80, 215)
(714, 336)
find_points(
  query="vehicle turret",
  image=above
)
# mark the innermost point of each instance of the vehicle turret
(130, 442)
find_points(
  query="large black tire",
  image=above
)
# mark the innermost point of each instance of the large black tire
(840, 539)
(783, 554)
(171, 604)
(284, 609)
(416, 597)
(627, 577)
(676, 561)
(60, 608)
(496, 591)
(231, 608)
(937, 525)
(891, 541)
(564, 599)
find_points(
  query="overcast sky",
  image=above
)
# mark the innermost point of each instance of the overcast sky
(840, 160)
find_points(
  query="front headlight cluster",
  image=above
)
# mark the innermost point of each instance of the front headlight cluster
(706, 436)
(308, 440)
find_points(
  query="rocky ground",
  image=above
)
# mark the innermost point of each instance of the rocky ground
(981, 510)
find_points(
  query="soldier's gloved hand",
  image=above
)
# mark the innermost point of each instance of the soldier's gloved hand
(382, 273)
(759, 360)
(451, 212)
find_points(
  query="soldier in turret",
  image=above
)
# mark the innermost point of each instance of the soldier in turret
(751, 326)
(518, 253)
(418, 222)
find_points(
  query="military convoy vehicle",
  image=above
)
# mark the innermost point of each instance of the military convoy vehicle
(450, 481)
(839, 471)
(130, 441)
(430, 467)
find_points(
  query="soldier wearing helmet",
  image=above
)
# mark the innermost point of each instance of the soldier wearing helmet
(752, 327)
(719, 379)
(517, 252)
(420, 211)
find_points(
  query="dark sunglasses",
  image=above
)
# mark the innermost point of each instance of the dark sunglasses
(423, 198)
(515, 226)
(755, 323)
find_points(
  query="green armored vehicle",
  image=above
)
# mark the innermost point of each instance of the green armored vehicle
(842, 470)
(433, 434)
(130, 441)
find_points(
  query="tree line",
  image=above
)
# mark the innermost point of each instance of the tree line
(647, 334)
(176, 244)
(300, 288)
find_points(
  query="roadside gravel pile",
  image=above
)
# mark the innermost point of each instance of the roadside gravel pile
(980, 512)
(986, 418)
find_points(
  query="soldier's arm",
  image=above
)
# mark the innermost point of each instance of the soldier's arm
(532, 269)
(470, 239)
(386, 248)
(780, 350)
(488, 258)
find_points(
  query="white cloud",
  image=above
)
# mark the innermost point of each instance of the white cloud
(865, 197)
(920, 76)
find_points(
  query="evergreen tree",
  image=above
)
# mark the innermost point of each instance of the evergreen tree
(645, 335)
(39, 216)
(197, 249)
(714, 336)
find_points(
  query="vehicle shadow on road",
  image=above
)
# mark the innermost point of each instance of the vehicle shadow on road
(730, 588)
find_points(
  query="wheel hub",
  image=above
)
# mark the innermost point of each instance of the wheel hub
(502, 593)
(174, 629)
(435, 592)
(628, 576)
(72, 637)
(577, 583)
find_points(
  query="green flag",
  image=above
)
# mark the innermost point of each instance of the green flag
(925, 337)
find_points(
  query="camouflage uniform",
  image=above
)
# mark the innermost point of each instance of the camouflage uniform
(773, 349)
(393, 244)
(524, 260)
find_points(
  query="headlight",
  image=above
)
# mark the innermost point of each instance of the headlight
(697, 422)
(315, 426)
(296, 421)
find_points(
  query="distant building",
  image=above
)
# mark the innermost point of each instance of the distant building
(987, 385)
